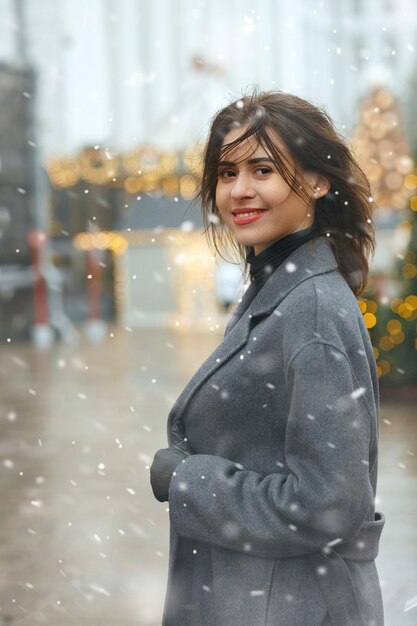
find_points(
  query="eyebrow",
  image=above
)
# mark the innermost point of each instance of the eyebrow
(249, 161)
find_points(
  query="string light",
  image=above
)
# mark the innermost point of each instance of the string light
(144, 169)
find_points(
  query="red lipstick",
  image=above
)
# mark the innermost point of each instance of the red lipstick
(247, 216)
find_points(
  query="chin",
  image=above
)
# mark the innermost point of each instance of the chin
(249, 242)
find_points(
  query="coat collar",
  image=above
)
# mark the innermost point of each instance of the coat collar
(312, 258)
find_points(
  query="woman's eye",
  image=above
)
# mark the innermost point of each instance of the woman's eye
(263, 170)
(226, 174)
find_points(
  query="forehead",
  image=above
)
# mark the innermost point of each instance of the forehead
(250, 146)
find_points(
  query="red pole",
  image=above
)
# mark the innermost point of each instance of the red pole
(37, 242)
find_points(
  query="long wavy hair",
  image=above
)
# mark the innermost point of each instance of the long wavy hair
(344, 214)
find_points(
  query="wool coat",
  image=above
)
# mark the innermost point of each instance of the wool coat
(273, 519)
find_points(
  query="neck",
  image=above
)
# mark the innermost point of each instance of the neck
(263, 263)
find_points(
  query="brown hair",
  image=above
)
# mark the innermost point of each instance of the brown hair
(344, 214)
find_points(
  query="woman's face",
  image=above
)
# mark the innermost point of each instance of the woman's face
(254, 200)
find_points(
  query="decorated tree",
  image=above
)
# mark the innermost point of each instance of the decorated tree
(389, 304)
(399, 344)
(381, 147)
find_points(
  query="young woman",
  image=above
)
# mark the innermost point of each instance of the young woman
(271, 468)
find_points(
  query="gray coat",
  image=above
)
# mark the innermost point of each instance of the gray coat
(273, 520)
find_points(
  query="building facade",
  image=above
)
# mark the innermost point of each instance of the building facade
(122, 78)
(124, 73)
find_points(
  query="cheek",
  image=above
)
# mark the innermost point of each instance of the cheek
(217, 195)
(281, 192)
(220, 198)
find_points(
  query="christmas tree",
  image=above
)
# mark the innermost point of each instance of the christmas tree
(382, 150)
(397, 342)
(389, 304)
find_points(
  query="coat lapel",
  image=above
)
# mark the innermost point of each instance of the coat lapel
(241, 307)
(236, 338)
(312, 258)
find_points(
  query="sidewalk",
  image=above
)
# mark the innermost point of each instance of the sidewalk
(397, 498)
(83, 542)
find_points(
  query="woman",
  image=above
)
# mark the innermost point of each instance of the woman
(271, 468)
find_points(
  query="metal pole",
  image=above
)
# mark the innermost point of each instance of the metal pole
(21, 33)
(42, 333)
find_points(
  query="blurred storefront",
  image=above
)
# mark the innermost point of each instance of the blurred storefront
(131, 217)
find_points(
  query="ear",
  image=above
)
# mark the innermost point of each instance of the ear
(318, 184)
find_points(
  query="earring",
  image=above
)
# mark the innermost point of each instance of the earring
(316, 194)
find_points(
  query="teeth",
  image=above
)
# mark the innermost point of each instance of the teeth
(248, 214)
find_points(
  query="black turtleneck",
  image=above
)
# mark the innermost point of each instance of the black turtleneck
(263, 264)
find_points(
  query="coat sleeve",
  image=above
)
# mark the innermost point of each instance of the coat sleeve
(324, 497)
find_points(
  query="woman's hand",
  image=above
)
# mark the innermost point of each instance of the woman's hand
(166, 460)
(164, 463)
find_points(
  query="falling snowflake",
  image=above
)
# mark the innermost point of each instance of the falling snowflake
(357, 393)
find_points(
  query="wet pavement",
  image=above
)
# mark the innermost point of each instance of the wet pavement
(82, 540)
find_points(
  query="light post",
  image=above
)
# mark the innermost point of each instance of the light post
(42, 333)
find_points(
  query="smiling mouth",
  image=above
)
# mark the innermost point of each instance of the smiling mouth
(247, 213)
(241, 217)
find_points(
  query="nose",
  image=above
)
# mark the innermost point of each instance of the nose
(242, 187)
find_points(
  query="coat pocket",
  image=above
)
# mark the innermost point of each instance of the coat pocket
(295, 598)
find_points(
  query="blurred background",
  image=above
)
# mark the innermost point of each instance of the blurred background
(110, 297)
